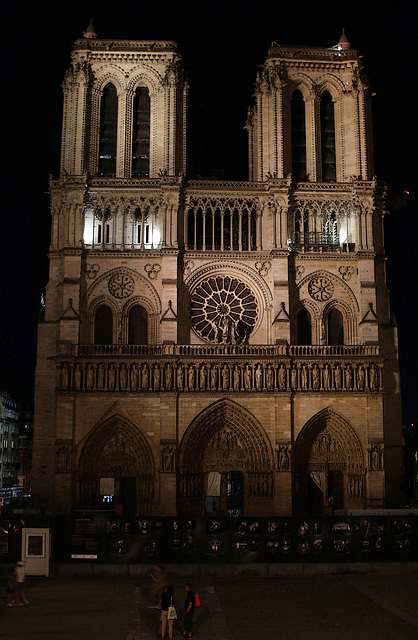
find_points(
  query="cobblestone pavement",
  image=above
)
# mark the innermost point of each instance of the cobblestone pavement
(317, 607)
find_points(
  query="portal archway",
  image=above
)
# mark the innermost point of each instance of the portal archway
(117, 454)
(328, 465)
(224, 445)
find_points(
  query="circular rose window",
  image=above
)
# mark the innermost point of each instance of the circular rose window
(223, 310)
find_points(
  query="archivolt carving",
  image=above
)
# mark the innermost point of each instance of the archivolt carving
(223, 433)
(341, 306)
(116, 449)
(328, 441)
(149, 79)
(309, 305)
(102, 300)
(109, 73)
(330, 83)
(304, 84)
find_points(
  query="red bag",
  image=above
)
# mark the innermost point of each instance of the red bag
(197, 602)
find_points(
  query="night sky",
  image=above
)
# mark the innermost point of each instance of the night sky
(221, 45)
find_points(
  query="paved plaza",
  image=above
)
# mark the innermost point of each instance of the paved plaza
(351, 607)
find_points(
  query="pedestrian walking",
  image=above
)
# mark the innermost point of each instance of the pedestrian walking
(189, 606)
(166, 602)
(158, 581)
(20, 582)
(12, 596)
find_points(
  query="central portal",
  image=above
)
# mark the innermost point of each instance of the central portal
(225, 464)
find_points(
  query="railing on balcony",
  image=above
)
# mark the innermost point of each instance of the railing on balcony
(216, 350)
(316, 241)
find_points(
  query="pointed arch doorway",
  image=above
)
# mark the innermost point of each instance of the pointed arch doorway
(115, 457)
(328, 465)
(226, 463)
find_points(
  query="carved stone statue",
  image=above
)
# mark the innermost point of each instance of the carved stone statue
(247, 378)
(123, 378)
(134, 377)
(283, 458)
(373, 378)
(100, 376)
(214, 378)
(191, 378)
(111, 377)
(304, 377)
(326, 378)
(337, 377)
(203, 376)
(168, 459)
(315, 378)
(282, 378)
(180, 378)
(360, 378)
(258, 378)
(157, 377)
(77, 377)
(269, 378)
(169, 377)
(236, 378)
(348, 378)
(225, 378)
(294, 378)
(145, 378)
(90, 377)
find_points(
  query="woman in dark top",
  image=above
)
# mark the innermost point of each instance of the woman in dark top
(188, 612)
(166, 600)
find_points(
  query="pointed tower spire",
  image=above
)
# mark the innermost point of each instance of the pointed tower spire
(90, 32)
(344, 41)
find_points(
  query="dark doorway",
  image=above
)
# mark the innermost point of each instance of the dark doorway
(315, 497)
(234, 493)
(128, 497)
(336, 489)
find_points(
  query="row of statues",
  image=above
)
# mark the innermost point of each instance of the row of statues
(154, 376)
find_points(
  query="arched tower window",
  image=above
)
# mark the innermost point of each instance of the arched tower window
(298, 137)
(141, 133)
(304, 327)
(138, 325)
(108, 131)
(335, 327)
(329, 173)
(103, 325)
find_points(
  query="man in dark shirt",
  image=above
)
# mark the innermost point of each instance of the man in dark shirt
(188, 612)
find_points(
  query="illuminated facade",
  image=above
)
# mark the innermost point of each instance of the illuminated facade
(216, 346)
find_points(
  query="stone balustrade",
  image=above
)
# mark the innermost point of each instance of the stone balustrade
(213, 350)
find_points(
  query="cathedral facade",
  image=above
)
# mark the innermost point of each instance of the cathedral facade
(214, 346)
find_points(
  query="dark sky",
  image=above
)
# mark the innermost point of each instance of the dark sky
(221, 45)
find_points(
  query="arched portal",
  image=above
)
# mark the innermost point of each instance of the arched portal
(328, 465)
(225, 451)
(116, 456)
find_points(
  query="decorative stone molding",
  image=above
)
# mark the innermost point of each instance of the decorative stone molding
(346, 272)
(92, 270)
(121, 285)
(152, 270)
(263, 267)
(320, 289)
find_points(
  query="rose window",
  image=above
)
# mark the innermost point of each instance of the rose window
(223, 310)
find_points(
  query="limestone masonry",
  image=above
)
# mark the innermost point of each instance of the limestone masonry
(212, 346)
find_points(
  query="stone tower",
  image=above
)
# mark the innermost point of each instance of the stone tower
(216, 346)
